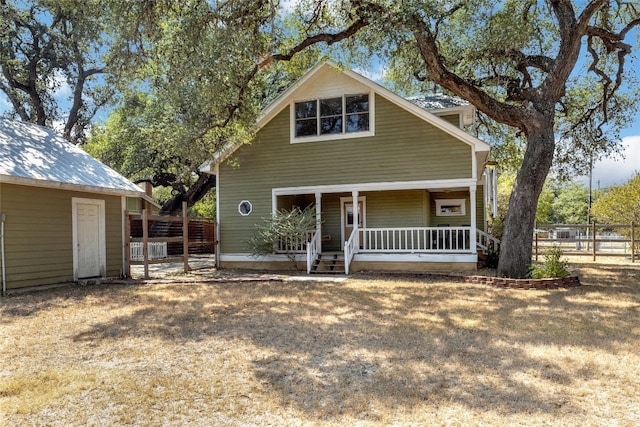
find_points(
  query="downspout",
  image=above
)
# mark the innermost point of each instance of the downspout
(3, 217)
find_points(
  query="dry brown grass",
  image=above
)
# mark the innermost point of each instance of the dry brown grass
(367, 351)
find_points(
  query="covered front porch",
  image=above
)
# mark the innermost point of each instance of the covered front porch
(415, 226)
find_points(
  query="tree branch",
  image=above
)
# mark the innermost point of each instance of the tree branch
(327, 38)
(438, 73)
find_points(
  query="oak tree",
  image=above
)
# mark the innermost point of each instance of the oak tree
(516, 61)
(47, 48)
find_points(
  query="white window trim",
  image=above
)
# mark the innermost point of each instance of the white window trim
(240, 207)
(332, 136)
(459, 202)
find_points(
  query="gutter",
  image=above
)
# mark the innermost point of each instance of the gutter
(3, 218)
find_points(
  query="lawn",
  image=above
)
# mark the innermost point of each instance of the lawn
(365, 351)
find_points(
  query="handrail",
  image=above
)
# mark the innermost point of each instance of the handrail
(312, 250)
(485, 241)
(350, 249)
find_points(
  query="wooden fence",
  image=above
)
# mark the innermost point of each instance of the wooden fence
(153, 239)
(589, 239)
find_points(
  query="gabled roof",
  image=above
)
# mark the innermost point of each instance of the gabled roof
(481, 148)
(36, 156)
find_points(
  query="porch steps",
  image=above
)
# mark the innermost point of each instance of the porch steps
(482, 256)
(329, 264)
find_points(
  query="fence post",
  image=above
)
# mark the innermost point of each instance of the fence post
(145, 242)
(185, 237)
(127, 244)
(633, 242)
(536, 246)
(593, 231)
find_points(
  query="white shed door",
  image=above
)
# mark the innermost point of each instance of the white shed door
(88, 245)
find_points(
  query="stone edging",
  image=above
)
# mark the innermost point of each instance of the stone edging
(553, 283)
(570, 281)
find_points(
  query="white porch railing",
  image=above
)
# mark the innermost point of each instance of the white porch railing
(417, 239)
(297, 245)
(392, 240)
(157, 250)
(486, 241)
(350, 248)
(312, 250)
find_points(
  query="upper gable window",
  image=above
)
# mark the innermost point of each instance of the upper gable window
(332, 118)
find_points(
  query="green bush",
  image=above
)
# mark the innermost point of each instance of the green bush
(493, 256)
(553, 266)
(287, 228)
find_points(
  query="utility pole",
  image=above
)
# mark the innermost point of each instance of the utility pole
(590, 188)
(590, 196)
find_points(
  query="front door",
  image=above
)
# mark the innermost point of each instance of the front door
(88, 238)
(347, 219)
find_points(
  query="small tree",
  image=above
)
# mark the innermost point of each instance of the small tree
(286, 230)
(554, 265)
(620, 205)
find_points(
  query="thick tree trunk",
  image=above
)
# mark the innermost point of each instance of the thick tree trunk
(517, 239)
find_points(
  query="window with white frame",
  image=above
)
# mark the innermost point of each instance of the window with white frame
(450, 207)
(245, 207)
(348, 114)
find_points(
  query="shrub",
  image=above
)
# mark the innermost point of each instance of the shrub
(493, 256)
(286, 228)
(553, 266)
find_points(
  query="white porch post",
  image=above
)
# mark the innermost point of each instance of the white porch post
(356, 220)
(319, 221)
(274, 203)
(472, 208)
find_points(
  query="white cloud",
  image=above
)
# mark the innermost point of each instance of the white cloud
(60, 85)
(617, 171)
(376, 74)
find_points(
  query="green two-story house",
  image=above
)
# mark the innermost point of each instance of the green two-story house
(338, 140)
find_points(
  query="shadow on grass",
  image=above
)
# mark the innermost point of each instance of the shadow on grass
(364, 347)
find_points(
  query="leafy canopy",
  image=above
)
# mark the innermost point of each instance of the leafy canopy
(52, 64)
(620, 204)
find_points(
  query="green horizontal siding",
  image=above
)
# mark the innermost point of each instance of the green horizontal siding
(38, 234)
(404, 148)
(452, 221)
(396, 208)
(331, 225)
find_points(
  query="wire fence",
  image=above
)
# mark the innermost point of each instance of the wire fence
(589, 240)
